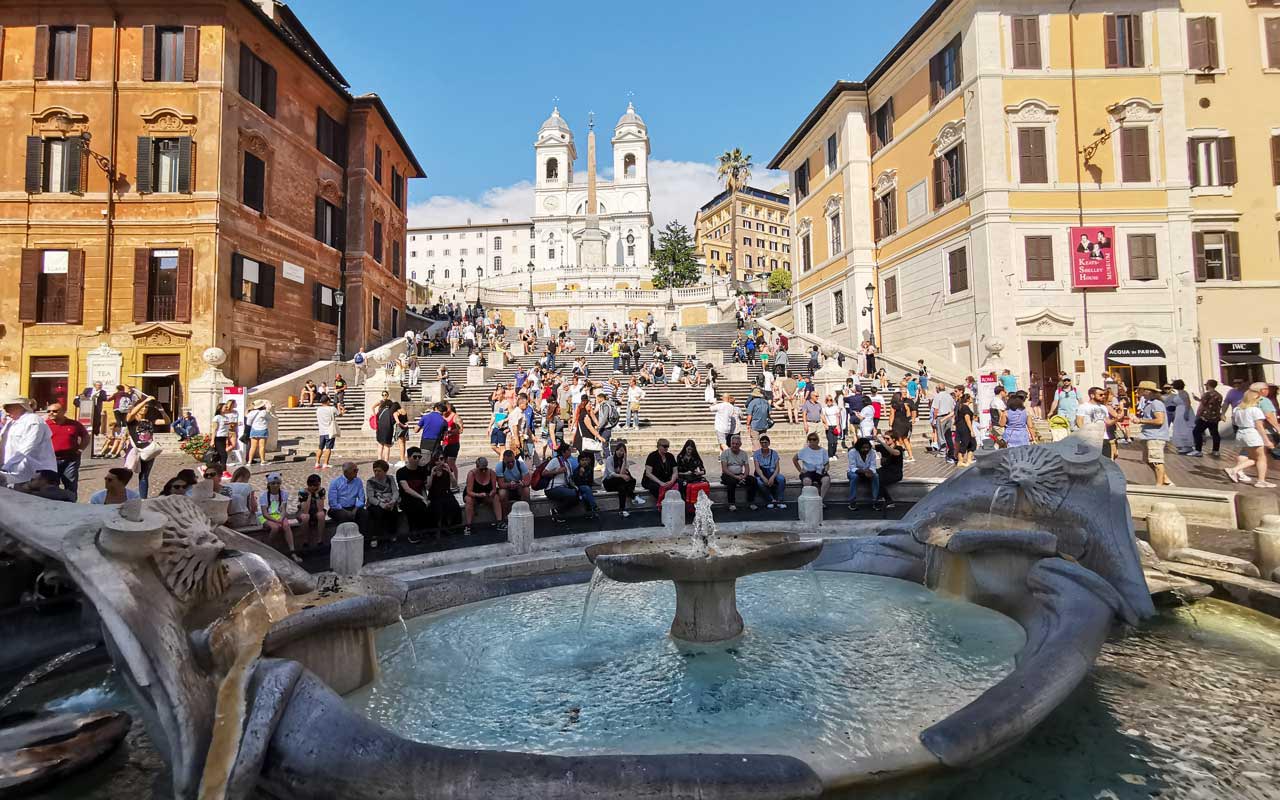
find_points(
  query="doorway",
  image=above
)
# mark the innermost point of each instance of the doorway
(1044, 359)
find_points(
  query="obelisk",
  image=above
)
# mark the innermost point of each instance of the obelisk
(591, 243)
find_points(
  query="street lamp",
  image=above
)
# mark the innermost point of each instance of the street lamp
(339, 297)
(530, 271)
(869, 308)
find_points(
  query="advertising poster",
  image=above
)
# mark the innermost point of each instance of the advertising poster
(1093, 262)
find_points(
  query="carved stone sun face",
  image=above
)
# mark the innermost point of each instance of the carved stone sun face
(1035, 474)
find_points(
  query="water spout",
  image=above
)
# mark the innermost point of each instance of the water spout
(591, 601)
(413, 651)
(704, 527)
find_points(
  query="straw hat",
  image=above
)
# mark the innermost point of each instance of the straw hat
(16, 400)
(1148, 386)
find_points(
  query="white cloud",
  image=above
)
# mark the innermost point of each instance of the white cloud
(679, 189)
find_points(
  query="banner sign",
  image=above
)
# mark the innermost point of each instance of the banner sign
(1093, 263)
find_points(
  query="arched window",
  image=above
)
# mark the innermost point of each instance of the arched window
(629, 165)
(497, 263)
(631, 244)
(497, 243)
(413, 275)
(553, 169)
(446, 274)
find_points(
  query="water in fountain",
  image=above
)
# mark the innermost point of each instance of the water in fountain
(590, 601)
(413, 651)
(704, 527)
(44, 669)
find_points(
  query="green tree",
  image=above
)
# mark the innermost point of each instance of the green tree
(673, 261)
(779, 281)
(734, 171)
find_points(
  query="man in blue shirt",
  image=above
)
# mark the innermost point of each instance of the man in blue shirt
(432, 426)
(346, 495)
(1008, 381)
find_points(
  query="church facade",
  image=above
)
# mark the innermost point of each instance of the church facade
(583, 231)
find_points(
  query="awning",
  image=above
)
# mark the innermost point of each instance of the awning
(1247, 361)
(1139, 361)
(48, 375)
(155, 373)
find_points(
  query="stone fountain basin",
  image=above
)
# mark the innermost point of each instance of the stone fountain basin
(640, 560)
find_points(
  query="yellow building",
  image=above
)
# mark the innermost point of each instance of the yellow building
(763, 235)
(1232, 86)
(939, 195)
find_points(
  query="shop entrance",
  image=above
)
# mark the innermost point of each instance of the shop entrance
(1133, 361)
(49, 377)
(159, 379)
(1044, 359)
(1243, 360)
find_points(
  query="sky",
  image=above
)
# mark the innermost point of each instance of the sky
(469, 83)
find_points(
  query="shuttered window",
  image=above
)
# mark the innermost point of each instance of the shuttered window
(376, 321)
(1123, 40)
(948, 176)
(957, 271)
(257, 81)
(891, 295)
(945, 72)
(1275, 159)
(885, 209)
(1026, 43)
(833, 151)
(377, 164)
(331, 138)
(1212, 161)
(1216, 255)
(1135, 155)
(802, 181)
(164, 165)
(397, 188)
(324, 306)
(329, 223)
(1202, 43)
(253, 281)
(1039, 251)
(1271, 26)
(255, 182)
(377, 241)
(56, 165)
(62, 54)
(882, 126)
(1033, 156)
(170, 54)
(1142, 257)
(51, 286)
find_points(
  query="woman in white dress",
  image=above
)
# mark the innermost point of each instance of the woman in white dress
(1249, 420)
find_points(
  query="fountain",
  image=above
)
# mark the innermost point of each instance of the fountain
(705, 570)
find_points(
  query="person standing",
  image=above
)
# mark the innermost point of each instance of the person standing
(944, 413)
(386, 415)
(89, 407)
(758, 421)
(1250, 422)
(69, 439)
(259, 423)
(726, 422)
(1208, 416)
(359, 360)
(1065, 401)
(1153, 422)
(833, 422)
(1181, 419)
(140, 424)
(27, 443)
(327, 426)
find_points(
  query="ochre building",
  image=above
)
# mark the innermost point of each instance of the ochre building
(763, 235)
(181, 176)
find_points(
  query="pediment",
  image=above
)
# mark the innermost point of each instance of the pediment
(1045, 316)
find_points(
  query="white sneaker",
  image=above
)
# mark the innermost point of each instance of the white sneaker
(1233, 475)
(782, 505)
(626, 513)
(1265, 485)
(768, 505)
(637, 501)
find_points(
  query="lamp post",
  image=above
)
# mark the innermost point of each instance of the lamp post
(339, 297)
(869, 309)
(529, 269)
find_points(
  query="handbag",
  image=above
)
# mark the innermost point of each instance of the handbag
(149, 452)
(590, 445)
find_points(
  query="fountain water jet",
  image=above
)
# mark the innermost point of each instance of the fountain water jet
(705, 570)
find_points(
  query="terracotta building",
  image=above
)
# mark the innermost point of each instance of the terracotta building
(187, 176)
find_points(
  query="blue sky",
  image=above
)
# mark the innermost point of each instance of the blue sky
(469, 83)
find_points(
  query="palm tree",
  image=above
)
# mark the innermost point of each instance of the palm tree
(734, 172)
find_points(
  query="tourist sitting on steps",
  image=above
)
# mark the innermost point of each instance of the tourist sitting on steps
(863, 470)
(737, 468)
(811, 462)
(660, 475)
(481, 489)
(513, 480)
(769, 477)
(382, 502)
(618, 477)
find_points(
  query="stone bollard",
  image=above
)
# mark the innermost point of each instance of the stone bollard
(520, 527)
(1166, 530)
(346, 550)
(673, 513)
(1268, 539)
(810, 506)
(1253, 507)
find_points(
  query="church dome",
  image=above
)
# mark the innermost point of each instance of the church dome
(630, 118)
(555, 122)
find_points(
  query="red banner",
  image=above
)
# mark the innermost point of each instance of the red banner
(1093, 263)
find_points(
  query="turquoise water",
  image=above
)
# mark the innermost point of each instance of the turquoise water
(832, 666)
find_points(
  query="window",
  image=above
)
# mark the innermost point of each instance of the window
(1275, 159)
(551, 253)
(837, 307)
(891, 294)
(51, 287)
(376, 321)
(885, 210)
(802, 181)
(1271, 27)
(462, 252)
(806, 252)
(808, 317)
(746, 240)
(324, 306)
(62, 53)
(882, 126)
(1202, 44)
(329, 223)
(833, 153)
(252, 281)
(446, 252)
(1142, 257)
(945, 72)
(169, 44)
(1039, 258)
(162, 285)
(948, 176)
(397, 188)
(1124, 40)
(747, 261)
(1033, 156)
(773, 229)
(553, 169)
(377, 241)
(631, 244)
(395, 259)
(773, 264)
(957, 271)
(1026, 43)
(833, 223)
(786, 231)
(1135, 156)
(164, 165)
(377, 163)
(395, 322)
(255, 182)
(331, 138)
(497, 243)
(257, 81)
(56, 165)
(497, 263)
(1212, 161)
(629, 166)
(1217, 255)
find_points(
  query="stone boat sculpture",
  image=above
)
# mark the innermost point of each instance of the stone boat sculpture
(238, 661)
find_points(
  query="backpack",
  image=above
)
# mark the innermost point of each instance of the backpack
(611, 417)
(540, 480)
(359, 359)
